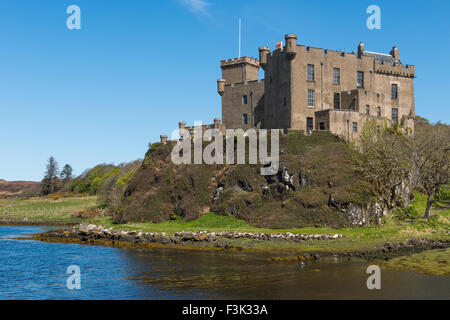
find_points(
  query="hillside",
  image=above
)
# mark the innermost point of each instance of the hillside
(320, 190)
(16, 188)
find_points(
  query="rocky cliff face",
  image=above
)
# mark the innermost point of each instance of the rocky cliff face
(314, 186)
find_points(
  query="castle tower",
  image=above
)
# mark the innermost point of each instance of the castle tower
(263, 53)
(216, 123)
(221, 86)
(239, 70)
(291, 44)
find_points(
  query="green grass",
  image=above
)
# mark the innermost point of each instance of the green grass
(42, 210)
(392, 230)
(436, 262)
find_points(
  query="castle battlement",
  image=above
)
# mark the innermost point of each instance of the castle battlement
(335, 53)
(235, 61)
(399, 70)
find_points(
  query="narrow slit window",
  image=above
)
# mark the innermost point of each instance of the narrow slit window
(360, 79)
(309, 124)
(310, 72)
(336, 76)
(337, 101)
(394, 91)
(311, 98)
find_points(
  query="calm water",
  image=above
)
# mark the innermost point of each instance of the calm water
(37, 270)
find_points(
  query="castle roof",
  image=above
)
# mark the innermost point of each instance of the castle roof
(382, 57)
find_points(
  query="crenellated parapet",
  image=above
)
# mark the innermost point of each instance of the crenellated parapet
(241, 60)
(400, 70)
(239, 70)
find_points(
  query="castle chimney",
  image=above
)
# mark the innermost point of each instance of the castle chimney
(395, 53)
(291, 44)
(263, 53)
(163, 139)
(216, 123)
(221, 86)
(181, 125)
(361, 49)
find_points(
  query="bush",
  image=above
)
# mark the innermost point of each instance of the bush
(408, 214)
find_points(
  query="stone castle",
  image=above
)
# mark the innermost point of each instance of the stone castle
(311, 89)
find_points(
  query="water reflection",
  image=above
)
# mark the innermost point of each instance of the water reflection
(37, 270)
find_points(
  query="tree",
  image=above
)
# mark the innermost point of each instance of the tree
(431, 157)
(382, 160)
(49, 183)
(66, 173)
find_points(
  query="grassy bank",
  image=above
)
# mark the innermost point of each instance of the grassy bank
(436, 262)
(55, 212)
(43, 210)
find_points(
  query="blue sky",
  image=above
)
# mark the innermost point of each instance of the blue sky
(136, 68)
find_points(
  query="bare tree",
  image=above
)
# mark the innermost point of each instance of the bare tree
(431, 157)
(383, 162)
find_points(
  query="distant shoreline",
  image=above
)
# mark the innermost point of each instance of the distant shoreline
(13, 223)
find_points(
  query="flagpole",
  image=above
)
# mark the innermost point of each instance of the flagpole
(239, 37)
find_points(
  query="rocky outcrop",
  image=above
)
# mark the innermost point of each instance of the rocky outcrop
(390, 249)
(315, 186)
(257, 236)
(93, 232)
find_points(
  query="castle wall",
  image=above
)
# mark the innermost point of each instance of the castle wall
(277, 96)
(233, 108)
(341, 122)
(404, 103)
(323, 86)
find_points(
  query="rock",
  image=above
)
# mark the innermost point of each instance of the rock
(302, 181)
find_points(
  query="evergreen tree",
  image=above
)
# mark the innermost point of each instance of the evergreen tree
(49, 183)
(66, 173)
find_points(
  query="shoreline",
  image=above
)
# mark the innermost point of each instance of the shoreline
(16, 223)
(97, 235)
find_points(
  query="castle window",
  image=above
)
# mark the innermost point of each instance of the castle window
(311, 98)
(284, 102)
(245, 118)
(394, 91)
(336, 76)
(355, 127)
(310, 72)
(244, 100)
(337, 100)
(360, 79)
(379, 112)
(309, 124)
(394, 115)
(368, 110)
